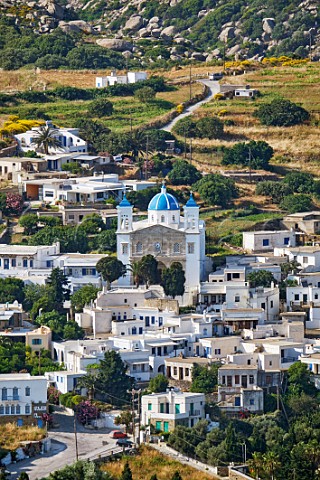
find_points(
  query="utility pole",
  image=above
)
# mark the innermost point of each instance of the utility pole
(139, 415)
(147, 157)
(185, 143)
(249, 160)
(39, 366)
(75, 435)
(190, 150)
(190, 80)
(224, 54)
(133, 392)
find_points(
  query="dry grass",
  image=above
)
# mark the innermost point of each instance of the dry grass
(11, 435)
(150, 462)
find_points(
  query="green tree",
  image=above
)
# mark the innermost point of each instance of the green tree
(71, 239)
(125, 418)
(209, 127)
(46, 137)
(145, 94)
(29, 223)
(232, 444)
(271, 464)
(149, 270)
(58, 282)
(215, 189)
(183, 173)
(38, 297)
(252, 154)
(113, 381)
(135, 271)
(276, 190)
(105, 241)
(299, 378)
(84, 296)
(299, 182)
(296, 203)
(158, 384)
(92, 224)
(176, 476)
(173, 280)
(100, 107)
(11, 289)
(204, 378)
(72, 331)
(89, 382)
(260, 278)
(111, 269)
(281, 113)
(23, 476)
(186, 127)
(126, 472)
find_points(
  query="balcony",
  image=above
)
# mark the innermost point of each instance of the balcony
(194, 413)
(10, 398)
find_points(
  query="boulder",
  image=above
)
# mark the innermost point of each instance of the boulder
(81, 25)
(156, 32)
(115, 44)
(169, 32)
(198, 56)
(202, 13)
(143, 32)
(134, 23)
(226, 34)
(154, 20)
(127, 54)
(268, 24)
(52, 8)
(233, 50)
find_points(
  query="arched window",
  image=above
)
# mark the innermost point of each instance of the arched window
(134, 331)
(27, 391)
(7, 409)
(152, 218)
(205, 331)
(15, 394)
(18, 410)
(27, 409)
(173, 218)
(13, 410)
(1, 410)
(139, 247)
(4, 394)
(176, 248)
(162, 219)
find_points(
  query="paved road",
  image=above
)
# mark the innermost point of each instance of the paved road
(214, 88)
(64, 452)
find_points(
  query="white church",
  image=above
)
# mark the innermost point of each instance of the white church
(166, 235)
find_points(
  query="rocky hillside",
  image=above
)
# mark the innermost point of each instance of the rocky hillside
(173, 30)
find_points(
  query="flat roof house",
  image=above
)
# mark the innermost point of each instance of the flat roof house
(167, 410)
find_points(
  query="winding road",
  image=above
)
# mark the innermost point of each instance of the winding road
(214, 88)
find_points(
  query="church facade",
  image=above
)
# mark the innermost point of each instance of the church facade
(168, 236)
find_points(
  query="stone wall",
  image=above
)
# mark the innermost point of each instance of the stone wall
(163, 304)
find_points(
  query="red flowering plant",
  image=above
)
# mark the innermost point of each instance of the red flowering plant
(53, 395)
(86, 411)
(14, 204)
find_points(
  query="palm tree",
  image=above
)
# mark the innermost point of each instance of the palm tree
(46, 137)
(271, 464)
(256, 464)
(88, 382)
(135, 269)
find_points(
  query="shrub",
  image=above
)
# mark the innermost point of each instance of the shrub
(253, 154)
(300, 182)
(296, 203)
(145, 94)
(183, 173)
(276, 190)
(216, 189)
(281, 113)
(72, 93)
(100, 108)
(209, 127)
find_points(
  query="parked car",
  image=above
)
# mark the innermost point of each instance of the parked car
(118, 434)
(124, 442)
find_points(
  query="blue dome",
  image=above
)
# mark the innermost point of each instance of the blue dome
(125, 202)
(163, 201)
(191, 202)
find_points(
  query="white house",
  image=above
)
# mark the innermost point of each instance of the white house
(114, 79)
(264, 241)
(167, 410)
(23, 399)
(68, 137)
